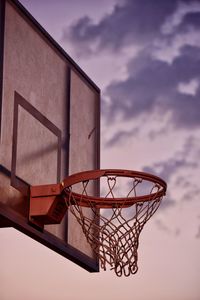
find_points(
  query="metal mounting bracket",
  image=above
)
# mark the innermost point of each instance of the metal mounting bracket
(47, 206)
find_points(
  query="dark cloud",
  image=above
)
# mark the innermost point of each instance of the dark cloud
(188, 24)
(191, 52)
(131, 22)
(139, 92)
(190, 20)
(153, 84)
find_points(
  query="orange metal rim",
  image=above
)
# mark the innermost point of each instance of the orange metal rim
(100, 202)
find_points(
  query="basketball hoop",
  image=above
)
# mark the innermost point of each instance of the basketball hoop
(117, 220)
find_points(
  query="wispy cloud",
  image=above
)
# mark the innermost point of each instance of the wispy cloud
(122, 135)
(162, 226)
(193, 192)
(169, 168)
(180, 172)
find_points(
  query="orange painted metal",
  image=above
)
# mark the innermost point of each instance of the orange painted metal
(48, 202)
(46, 205)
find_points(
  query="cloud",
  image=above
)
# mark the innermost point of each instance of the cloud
(189, 88)
(120, 136)
(155, 85)
(180, 172)
(129, 24)
(185, 159)
(191, 20)
(193, 192)
(153, 134)
(126, 24)
(186, 14)
(167, 203)
(162, 226)
(165, 74)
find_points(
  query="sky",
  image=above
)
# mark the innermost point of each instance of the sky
(145, 57)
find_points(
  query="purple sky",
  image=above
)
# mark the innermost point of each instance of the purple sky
(145, 57)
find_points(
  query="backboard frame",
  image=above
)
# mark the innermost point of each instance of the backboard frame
(8, 217)
(21, 102)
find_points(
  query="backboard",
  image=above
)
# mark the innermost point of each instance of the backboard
(49, 128)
